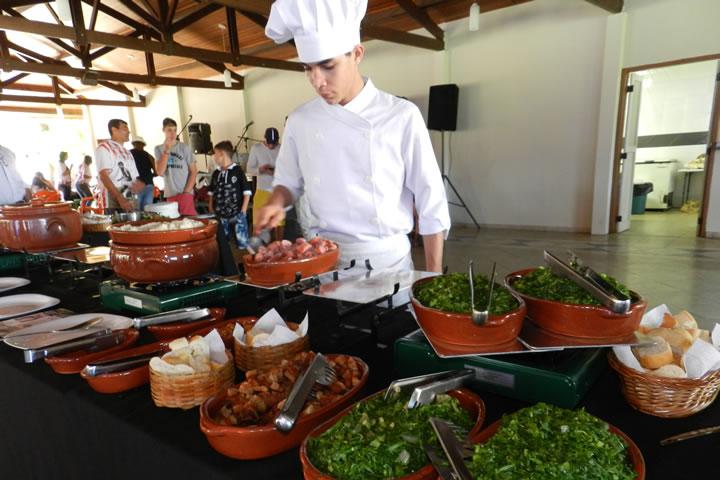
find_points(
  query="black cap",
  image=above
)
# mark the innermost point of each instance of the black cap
(272, 136)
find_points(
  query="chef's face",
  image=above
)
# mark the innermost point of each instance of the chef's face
(335, 79)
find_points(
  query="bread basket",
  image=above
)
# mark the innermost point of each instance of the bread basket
(188, 391)
(252, 358)
(663, 396)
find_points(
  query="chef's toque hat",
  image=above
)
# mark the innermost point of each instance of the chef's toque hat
(322, 29)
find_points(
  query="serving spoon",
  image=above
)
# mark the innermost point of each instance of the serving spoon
(480, 317)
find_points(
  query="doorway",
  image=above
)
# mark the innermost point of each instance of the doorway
(666, 135)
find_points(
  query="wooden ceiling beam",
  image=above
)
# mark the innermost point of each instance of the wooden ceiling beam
(261, 7)
(404, 38)
(54, 14)
(612, 6)
(121, 17)
(67, 112)
(68, 101)
(12, 80)
(142, 13)
(171, 13)
(200, 12)
(232, 31)
(4, 50)
(120, 88)
(56, 90)
(27, 87)
(93, 22)
(67, 71)
(65, 86)
(172, 49)
(420, 16)
(30, 53)
(220, 68)
(55, 40)
(149, 61)
(81, 42)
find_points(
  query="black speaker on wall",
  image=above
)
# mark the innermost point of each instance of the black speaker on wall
(200, 138)
(442, 111)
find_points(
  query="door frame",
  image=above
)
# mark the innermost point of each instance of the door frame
(620, 129)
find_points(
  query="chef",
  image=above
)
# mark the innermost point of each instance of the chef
(362, 157)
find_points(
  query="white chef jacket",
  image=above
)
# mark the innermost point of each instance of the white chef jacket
(360, 166)
(261, 155)
(12, 187)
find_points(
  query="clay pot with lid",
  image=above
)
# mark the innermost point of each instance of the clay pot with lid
(39, 226)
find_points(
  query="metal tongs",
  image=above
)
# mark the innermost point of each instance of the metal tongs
(120, 364)
(426, 387)
(189, 314)
(320, 372)
(104, 339)
(590, 281)
(480, 317)
(691, 434)
(452, 447)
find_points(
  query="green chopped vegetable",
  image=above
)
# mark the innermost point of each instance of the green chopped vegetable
(546, 442)
(451, 293)
(544, 284)
(382, 438)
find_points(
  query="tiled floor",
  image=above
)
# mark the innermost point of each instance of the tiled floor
(665, 265)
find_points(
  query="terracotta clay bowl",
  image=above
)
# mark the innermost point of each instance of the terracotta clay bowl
(585, 321)
(636, 458)
(468, 400)
(277, 273)
(163, 263)
(208, 230)
(262, 441)
(170, 331)
(458, 329)
(74, 362)
(39, 226)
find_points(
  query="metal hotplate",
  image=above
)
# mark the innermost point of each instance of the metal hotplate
(369, 287)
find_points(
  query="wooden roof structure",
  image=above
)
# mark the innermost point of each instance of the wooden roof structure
(53, 50)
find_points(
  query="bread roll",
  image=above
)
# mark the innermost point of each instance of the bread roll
(669, 321)
(705, 335)
(655, 355)
(685, 320)
(671, 371)
(678, 338)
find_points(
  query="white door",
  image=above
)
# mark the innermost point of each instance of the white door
(627, 158)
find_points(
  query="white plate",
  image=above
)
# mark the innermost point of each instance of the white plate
(17, 305)
(10, 283)
(114, 322)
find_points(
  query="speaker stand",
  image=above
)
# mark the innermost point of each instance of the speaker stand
(449, 182)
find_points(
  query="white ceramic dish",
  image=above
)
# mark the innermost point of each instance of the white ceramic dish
(10, 283)
(23, 304)
(113, 322)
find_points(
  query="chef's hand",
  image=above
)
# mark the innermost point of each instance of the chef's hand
(126, 205)
(268, 217)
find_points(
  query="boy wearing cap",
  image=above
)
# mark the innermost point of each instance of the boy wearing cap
(261, 164)
(362, 157)
(145, 164)
(230, 194)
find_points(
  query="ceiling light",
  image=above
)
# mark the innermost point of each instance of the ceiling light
(135, 95)
(227, 78)
(131, 56)
(474, 18)
(222, 26)
(63, 10)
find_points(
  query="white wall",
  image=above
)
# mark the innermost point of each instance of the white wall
(161, 102)
(664, 30)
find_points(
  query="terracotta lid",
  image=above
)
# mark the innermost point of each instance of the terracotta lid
(35, 208)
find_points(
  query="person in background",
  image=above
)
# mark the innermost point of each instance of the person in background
(65, 183)
(116, 169)
(12, 187)
(39, 182)
(175, 162)
(230, 194)
(145, 164)
(262, 165)
(83, 178)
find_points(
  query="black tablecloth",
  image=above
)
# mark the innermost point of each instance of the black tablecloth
(55, 426)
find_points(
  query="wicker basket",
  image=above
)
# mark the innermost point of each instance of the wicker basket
(188, 391)
(251, 358)
(665, 397)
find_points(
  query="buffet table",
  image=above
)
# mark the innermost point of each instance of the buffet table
(55, 426)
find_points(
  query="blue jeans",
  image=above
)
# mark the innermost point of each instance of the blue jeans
(145, 197)
(240, 225)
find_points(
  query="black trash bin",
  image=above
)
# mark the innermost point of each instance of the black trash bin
(640, 193)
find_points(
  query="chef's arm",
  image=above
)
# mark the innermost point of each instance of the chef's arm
(434, 251)
(192, 175)
(270, 215)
